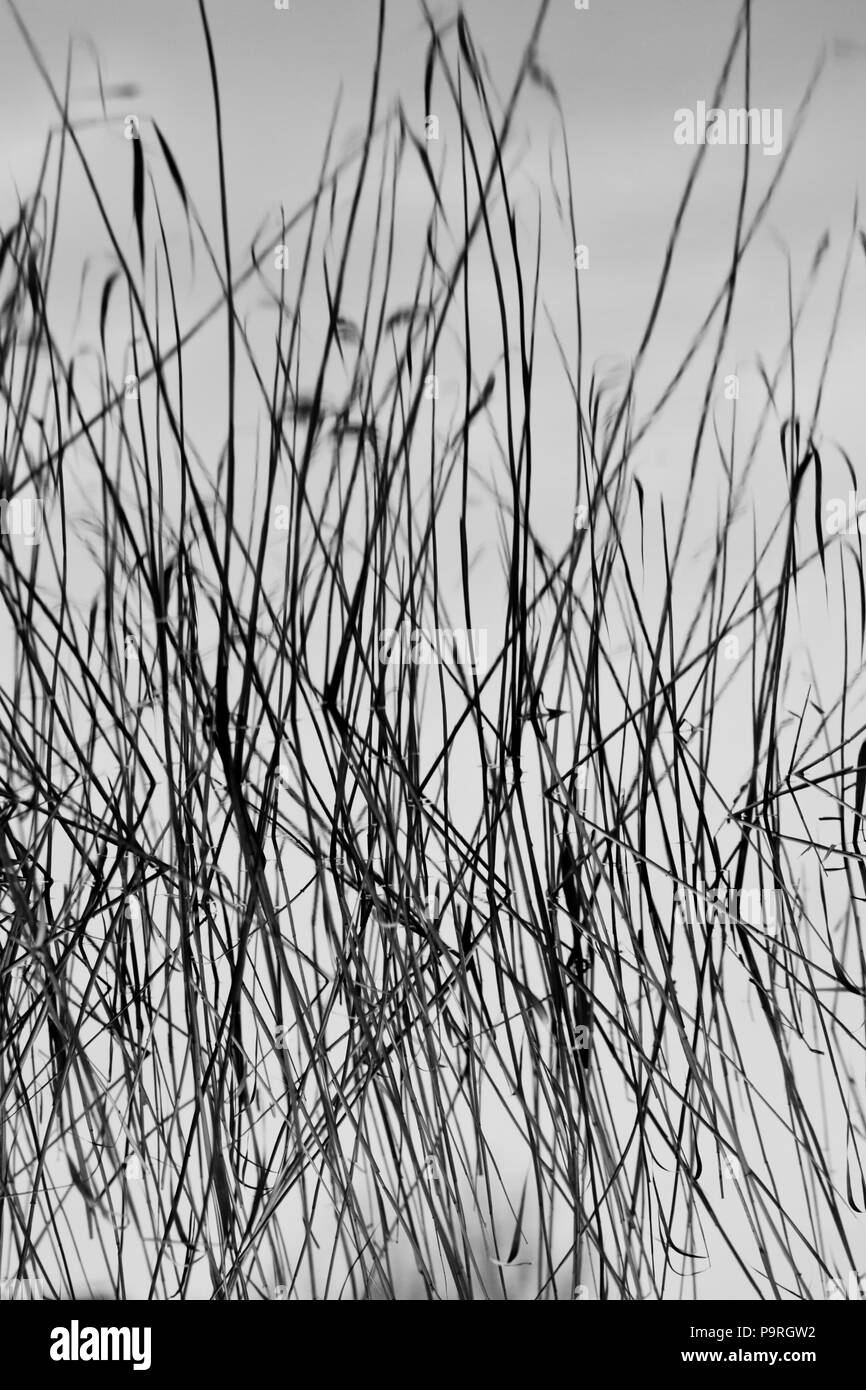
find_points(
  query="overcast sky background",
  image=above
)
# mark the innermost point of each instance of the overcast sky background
(621, 69)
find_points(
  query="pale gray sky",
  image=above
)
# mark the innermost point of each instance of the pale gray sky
(622, 69)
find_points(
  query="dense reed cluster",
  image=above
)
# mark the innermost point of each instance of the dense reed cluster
(335, 969)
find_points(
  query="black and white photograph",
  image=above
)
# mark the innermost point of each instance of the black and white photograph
(432, 707)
